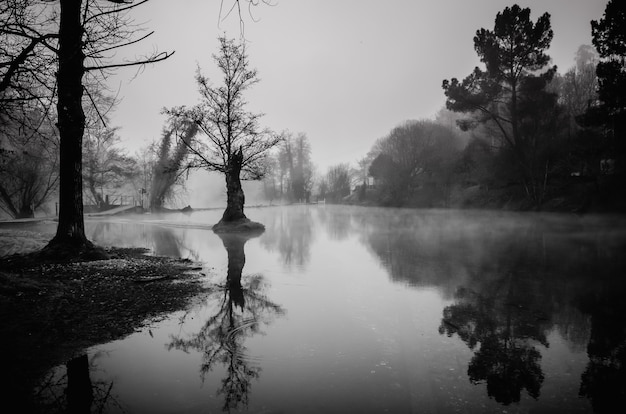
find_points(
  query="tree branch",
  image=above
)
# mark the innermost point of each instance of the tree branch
(157, 58)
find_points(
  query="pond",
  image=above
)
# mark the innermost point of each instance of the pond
(342, 309)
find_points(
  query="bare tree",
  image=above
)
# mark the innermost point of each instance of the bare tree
(232, 142)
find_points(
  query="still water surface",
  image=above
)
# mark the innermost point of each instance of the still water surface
(338, 309)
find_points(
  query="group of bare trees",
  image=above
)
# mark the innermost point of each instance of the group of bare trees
(290, 171)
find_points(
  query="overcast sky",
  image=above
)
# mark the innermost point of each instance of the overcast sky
(345, 72)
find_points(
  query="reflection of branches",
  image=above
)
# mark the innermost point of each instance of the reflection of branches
(242, 307)
(506, 359)
(75, 391)
(604, 379)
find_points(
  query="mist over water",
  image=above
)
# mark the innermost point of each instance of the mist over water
(346, 309)
(204, 189)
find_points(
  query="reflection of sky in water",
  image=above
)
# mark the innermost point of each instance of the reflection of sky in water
(384, 310)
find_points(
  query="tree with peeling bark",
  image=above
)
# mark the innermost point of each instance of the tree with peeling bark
(230, 141)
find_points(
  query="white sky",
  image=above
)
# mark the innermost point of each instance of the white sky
(345, 72)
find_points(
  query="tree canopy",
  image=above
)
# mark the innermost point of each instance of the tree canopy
(511, 91)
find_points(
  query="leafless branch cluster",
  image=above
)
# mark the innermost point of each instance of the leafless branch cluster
(222, 119)
(109, 27)
(27, 61)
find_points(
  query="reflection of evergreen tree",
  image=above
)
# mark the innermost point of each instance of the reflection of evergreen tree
(502, 323)
(508, 367)
(604, 379)
(242, 309)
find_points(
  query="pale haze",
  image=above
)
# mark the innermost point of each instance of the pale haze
(343, 72)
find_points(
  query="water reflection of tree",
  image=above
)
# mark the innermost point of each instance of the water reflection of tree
(604, 379)
(165, 242)
(290, 231)
(507, 319)
(242, 309)
(75, 392)
(337, 220)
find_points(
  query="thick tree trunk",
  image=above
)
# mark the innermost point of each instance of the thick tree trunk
(235, 198)
(71, 124)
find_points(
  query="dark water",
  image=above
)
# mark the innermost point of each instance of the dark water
(337, 310)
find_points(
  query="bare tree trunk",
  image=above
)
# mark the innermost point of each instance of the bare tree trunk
(235, 198)
(71, 124)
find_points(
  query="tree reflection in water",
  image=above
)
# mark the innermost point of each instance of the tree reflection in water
(74, 392)
(506, 326)
(604, 379)
(291, 232)
(242, 309)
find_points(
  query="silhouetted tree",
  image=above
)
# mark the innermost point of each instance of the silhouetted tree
(233, 142)
(511, 91)
(610, 111)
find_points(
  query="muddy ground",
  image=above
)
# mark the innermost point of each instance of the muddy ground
(51, 312)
